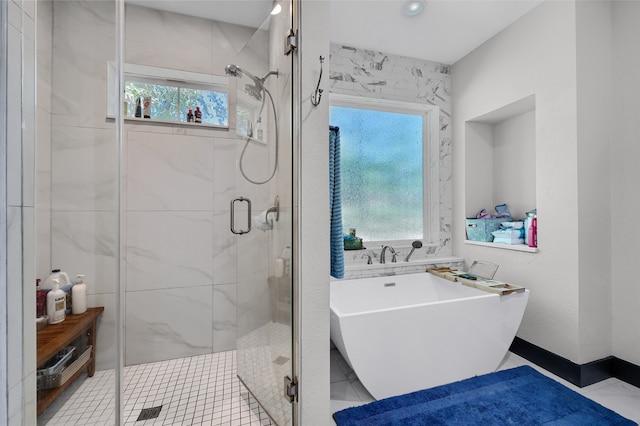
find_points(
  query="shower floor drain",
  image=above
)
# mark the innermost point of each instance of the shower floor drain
(149, 413)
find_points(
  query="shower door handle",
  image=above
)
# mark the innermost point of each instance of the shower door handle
(233, 215)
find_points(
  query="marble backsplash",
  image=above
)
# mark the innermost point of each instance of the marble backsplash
(366, 73)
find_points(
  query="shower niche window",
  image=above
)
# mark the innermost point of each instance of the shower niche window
(171, 94)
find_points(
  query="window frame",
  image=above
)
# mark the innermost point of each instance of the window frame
(167, 77)
(430, 158)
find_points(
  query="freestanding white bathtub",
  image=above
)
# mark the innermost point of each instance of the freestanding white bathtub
(409, 332)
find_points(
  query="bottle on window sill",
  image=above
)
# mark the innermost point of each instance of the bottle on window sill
(146, 107)
(139, 108)
(198, 115)
(190, 118)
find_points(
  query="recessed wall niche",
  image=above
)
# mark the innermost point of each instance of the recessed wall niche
(500, 159)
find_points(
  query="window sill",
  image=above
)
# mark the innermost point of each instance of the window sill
(514, 247)
(171, 123)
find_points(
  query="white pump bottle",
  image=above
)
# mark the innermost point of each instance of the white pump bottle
(79, 296)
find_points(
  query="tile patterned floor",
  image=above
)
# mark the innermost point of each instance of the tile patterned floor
(621, 397)
(200, 390)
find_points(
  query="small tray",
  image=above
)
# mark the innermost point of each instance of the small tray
(480, 283)
(445, 272)
(492, 286)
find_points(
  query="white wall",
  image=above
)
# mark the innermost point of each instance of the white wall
(514, 163)
(561, 52)
(314, 220)
(594, 103)
(536, 55)
(625, 176)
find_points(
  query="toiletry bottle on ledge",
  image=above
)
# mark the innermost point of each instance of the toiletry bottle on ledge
(532, 239)
(62, 277)
(79, 296)
(146, 107)
(139, 107)
(198, 115)
(190, 116)
(56, 303)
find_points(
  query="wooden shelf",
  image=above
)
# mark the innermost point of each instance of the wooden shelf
(55, 337)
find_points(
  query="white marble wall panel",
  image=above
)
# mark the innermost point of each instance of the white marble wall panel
(14, 408)
(83, 168)
(84, 243)
(28, 292)
(367, 73)
(224, 317)
(20, 251)
(106, 330)
(14, 115)
(14, 293)
(83, 42)
(168, 250)
(43, 137)
(224, 170)
(169, 172)
(252, 312)
(28, 118)
(224, 249)
(185, 40)
(166, 324)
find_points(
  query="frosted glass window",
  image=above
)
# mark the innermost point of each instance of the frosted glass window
(382, 156)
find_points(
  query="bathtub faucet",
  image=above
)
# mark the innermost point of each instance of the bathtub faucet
(393, 252)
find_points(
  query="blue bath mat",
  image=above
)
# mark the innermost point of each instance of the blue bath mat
(519, 396)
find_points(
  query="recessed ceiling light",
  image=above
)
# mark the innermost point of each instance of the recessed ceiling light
(414, 7)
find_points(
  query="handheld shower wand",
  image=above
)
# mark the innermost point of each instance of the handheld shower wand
(257, 91)
(414, 245)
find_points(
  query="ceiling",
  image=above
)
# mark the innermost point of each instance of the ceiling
(445, 32)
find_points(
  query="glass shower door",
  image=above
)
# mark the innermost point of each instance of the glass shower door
(261, 214)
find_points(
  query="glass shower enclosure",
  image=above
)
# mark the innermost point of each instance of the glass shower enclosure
(261, 215)
(183, 228)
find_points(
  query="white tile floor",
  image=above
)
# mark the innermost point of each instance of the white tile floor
(200, 390)
(621, 397)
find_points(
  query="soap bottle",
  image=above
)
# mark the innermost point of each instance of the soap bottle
(190, 116)
(56, 303)
(79, 296)
(198, 115)
(41, 300)
(139, 107)
(533, 233)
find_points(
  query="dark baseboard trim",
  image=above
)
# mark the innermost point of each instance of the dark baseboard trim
(580, 375)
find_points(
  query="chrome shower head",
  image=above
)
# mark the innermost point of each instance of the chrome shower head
(236, 71)
(232, 70)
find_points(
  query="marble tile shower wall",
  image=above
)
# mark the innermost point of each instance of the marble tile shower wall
(367, 73)
(20, 212)
(179, 275)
